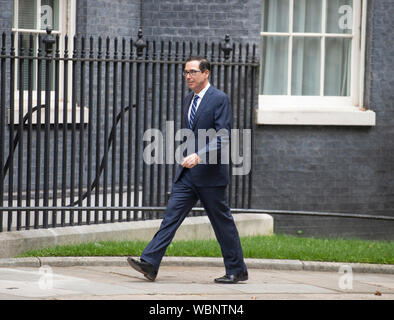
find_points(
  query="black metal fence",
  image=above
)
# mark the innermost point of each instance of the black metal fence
(73, 114)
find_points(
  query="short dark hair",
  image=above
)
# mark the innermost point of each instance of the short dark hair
(204, 63)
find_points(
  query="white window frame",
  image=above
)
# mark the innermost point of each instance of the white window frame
(323, 110)
(67, 25)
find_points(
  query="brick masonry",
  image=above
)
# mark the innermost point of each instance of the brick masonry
(108, 18)
(203, 20)
(6, 14)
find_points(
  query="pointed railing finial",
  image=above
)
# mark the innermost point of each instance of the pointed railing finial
(226, 47)
(140, 44)
(49, 41)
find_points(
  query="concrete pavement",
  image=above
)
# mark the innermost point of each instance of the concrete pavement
(190, 279)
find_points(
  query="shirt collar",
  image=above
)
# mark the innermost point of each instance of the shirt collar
(203, 91)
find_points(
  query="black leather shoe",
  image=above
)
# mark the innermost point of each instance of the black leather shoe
(147, 269)
(232, 278)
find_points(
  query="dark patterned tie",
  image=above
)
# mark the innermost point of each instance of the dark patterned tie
(193, 111)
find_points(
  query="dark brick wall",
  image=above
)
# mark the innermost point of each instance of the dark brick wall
(203, 20)
(120, 18)
(6, 14)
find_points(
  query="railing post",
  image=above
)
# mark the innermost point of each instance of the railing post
(73, 124)
(81, 129)
(29, 151)
(11, 121)
(49, 41)
(65, 120)
(252, 120)
(2, 125)
(90, 128)
(56, 130)
(140, 45)
(20, 129)
(130, 129)
(122, 125)
(98, 125)
(114, 136)
(227, 48)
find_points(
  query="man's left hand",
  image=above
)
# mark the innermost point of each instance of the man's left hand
(191, 161)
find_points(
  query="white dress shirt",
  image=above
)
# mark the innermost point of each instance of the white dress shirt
(201, 95)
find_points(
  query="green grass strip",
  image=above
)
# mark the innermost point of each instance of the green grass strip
(263, 247)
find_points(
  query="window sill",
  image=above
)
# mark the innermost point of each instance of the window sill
(320, 116)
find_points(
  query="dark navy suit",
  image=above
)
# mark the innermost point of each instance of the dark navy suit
(207, 182)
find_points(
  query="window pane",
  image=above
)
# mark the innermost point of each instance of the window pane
(337, 67)
(26, 51)
(27, 14)
(275, 16)
(306, 66)
(274, 65)
(49, 14)
(339, 16)
(307, 16)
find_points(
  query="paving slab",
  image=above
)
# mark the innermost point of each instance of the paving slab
(186, 283)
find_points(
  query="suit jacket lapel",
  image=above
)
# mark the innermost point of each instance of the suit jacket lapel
(186, 110)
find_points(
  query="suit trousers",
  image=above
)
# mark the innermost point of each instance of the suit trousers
(184, 196)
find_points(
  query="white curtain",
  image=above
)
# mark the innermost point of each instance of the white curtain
(27, 19)
(306, 54)
(338, 51)
(275, 49)
(27, 10)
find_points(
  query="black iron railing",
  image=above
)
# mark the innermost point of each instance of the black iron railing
(73, 114)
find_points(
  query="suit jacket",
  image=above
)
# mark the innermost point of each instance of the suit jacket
(214, 112)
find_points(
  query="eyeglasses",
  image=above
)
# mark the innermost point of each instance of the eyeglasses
(191, 72)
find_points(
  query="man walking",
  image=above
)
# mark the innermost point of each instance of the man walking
(204, 108)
